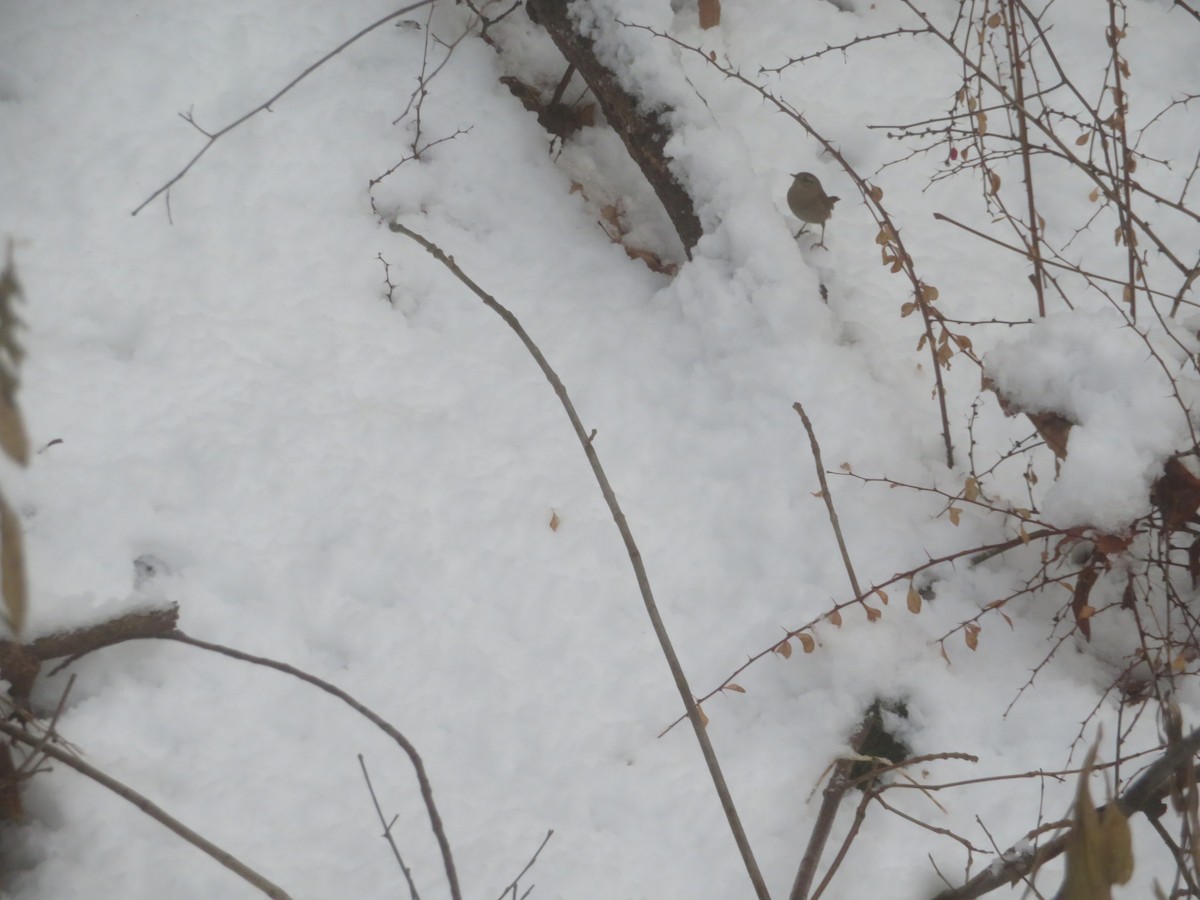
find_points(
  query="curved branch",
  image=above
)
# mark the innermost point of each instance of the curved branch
(635, 555)
(435, 820)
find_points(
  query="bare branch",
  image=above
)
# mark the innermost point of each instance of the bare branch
(828, 497)
(840, 48)
(635, 555)
(387, 831)
(228, 860)
(435, 819)
(216, 135)
(831, 799)
(1188, 9)
(512, 885)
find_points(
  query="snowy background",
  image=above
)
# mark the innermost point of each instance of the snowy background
(363, 487)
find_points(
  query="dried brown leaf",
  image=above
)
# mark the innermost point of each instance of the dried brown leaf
(971, 635)
(710, 13)
(914, 600)
(971, 489)
(1099, 846)
(1079, 601)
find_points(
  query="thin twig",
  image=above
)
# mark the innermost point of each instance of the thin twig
(1181, 861)
(1046, 262)
(1108, 192)
(1035, 237)
(387, 830)
(860, 813)
(49, 734)
(631, 548)
(214, 136)
(828, 498)
(435, 819)
(512, 885)
(147, 806)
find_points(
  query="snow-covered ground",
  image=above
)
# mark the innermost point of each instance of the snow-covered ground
(364, 487)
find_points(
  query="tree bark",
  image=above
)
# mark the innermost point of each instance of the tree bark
(645, 134)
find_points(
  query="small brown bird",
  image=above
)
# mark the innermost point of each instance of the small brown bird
(809, 203)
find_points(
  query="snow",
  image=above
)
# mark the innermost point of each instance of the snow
(1092, 370)
(364, 488)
